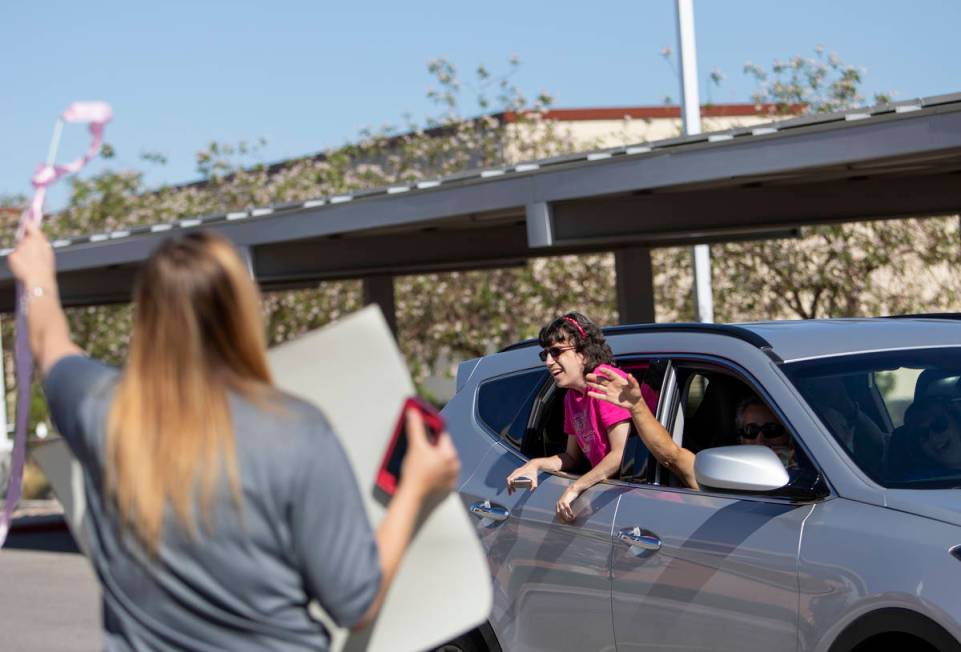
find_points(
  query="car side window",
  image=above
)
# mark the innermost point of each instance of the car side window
(638, 465)
(504, 404)
(709, 400)
(725, 411)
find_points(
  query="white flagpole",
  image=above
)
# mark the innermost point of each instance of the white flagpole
(691, 121)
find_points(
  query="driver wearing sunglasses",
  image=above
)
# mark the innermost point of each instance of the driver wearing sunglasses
(756, 424)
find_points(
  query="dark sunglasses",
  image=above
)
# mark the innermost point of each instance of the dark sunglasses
(768, 431)
(554, 351)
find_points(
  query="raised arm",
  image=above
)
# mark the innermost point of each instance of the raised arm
(626, 393)
(32, 263)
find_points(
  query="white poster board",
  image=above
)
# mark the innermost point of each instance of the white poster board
(65, 476)
(354, 373)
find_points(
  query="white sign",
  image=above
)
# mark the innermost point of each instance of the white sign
(354, 373)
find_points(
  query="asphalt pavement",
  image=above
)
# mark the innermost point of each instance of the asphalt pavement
(49, 598)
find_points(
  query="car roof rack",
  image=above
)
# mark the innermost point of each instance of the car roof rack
(737, 332)
(927, 315)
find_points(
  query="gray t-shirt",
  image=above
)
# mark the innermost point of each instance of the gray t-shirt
(244, 583)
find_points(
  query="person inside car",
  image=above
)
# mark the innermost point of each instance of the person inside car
(755, 422)
(931, 442)
(849, 424)
(597, 430)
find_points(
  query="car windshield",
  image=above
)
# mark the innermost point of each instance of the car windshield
(896, 413)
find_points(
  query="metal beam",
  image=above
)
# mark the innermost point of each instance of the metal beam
(656, 219)
(635, 285)
(806, 152)
(403, 253)
(663, 216)
(879, 163)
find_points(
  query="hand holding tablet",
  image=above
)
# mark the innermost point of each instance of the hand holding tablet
(391, 468)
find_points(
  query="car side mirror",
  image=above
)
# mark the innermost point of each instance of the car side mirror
(740, 468)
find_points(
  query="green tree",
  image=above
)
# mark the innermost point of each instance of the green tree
(821, 84)
(847, 270)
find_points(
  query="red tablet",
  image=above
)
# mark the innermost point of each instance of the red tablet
(388, 476)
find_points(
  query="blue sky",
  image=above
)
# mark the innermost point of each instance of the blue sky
(309, 75)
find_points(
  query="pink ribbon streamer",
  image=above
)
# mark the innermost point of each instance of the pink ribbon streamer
(97, 115)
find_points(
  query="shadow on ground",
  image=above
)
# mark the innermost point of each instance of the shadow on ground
(46, 538)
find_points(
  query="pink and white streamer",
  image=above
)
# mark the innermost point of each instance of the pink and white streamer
(96, 115)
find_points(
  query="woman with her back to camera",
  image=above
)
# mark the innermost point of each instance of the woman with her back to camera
(218, 506)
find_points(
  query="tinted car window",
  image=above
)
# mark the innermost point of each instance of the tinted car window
(710, 405)
(896, 389)
(916, 442)
(711, 420)
(504, 404)
(638, 464)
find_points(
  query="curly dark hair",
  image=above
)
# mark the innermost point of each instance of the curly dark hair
(588, 339)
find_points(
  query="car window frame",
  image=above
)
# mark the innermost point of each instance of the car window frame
(546, 387)
(666, 393)
(723, 365)
(486, 427)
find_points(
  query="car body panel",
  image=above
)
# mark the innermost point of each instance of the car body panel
(725, 577)
(940, 504)
(855, 558)
(814, 338)
(548, 575)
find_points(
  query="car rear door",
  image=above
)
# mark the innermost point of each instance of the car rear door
(700, 570)
(551, 579)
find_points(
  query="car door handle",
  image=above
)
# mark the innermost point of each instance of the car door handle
(484, 509)
(635, 538)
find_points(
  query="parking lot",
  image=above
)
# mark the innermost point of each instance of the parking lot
(50, 600)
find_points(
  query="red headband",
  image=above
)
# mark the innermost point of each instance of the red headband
(576, 325)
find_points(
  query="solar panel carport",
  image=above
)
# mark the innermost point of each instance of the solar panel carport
(887, 161)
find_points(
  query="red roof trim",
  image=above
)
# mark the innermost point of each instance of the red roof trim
(658, 112)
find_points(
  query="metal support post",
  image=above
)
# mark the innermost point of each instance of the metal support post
(635, 285)
(380, 290)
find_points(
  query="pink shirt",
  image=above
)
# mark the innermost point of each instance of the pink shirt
(588, 419)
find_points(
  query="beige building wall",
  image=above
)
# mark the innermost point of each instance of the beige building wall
(613, 133)
(613, 127)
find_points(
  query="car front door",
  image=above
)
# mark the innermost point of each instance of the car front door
(700, 570)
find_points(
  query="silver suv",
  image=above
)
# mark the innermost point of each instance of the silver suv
(858, 547)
